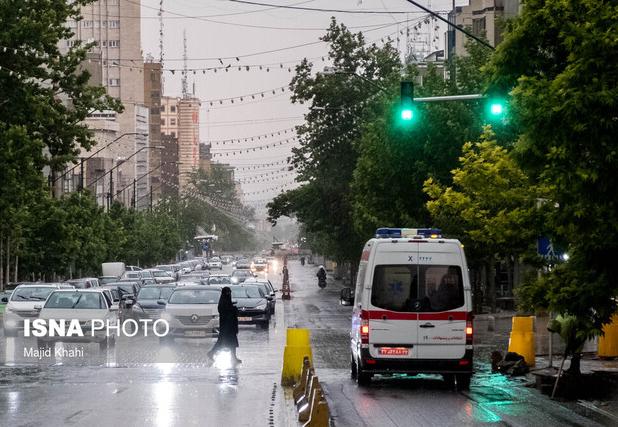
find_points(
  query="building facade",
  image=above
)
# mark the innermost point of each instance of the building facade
(115, 62)
(484, 18)
(153, 89)
(188, 139)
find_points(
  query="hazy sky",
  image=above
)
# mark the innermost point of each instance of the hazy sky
(224, 29)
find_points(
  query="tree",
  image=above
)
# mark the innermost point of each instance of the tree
(44, 98)
(558, 60)
(491, 205)
(327, 155)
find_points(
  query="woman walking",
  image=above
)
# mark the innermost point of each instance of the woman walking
(228, 325)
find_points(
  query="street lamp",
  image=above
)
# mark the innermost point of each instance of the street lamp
(81, 163)
(110, 194)
(135, 180)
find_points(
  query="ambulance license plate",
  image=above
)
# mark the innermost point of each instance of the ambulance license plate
(394, 351)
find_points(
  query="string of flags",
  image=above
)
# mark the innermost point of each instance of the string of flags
(234, 151)
(251, 138)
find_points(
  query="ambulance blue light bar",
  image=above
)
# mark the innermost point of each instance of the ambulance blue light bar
(398, 233)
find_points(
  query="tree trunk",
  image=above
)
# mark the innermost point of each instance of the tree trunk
(8, 260)
(1, 263)
(575, 368)
(509, 274)
(491, 281)
(16, 268)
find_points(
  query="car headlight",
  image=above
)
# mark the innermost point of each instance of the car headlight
(261, 306)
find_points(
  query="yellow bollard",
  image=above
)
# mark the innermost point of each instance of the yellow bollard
(299, 387)
(305, 408)
(293, 357)
(297, 337)
(608, 343)
(522, 338)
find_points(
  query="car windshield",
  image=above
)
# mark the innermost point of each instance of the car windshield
(160, 274)
(126, 289)
(31, 293)
(146, 273)
(195, 296)
(134, 274)
(246, 292)
(104, 280)
(76, 300)
(219, 281)
(154, 293)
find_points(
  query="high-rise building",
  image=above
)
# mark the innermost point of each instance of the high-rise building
(188, 139)
(115, 62)
(169, 116)
(152, 99)
(484, 18)
(169, 167)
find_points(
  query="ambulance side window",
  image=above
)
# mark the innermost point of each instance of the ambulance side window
(360, 282)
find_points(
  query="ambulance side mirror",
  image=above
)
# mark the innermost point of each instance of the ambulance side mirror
(346, 297)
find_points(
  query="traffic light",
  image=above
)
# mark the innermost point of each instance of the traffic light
(406, 106)
(495, 108)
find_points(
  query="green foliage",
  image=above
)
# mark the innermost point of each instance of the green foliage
(491, 204)
(558, 59)
(327, 155)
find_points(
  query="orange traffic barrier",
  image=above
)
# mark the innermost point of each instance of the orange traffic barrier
(304, 409)
(319, 415)
(301, 386)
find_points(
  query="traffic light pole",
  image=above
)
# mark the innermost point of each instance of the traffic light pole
(469, 97)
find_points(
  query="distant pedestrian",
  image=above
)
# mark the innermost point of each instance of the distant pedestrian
(302, 260)
(228, 326)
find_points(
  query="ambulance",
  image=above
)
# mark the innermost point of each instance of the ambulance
(412, 309)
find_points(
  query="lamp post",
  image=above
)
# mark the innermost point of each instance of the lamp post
(82, 160)
(134, 183)
(111, 183)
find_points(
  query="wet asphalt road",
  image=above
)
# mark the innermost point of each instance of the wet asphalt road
(401, 401)
(141, 383)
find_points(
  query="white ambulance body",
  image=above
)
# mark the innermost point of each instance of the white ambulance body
(412, 307)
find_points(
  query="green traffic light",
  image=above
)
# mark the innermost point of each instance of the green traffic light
(407, 114)
(496, 109)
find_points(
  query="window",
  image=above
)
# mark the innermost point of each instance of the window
(360, 282)
(114, 82)
(417, 287)
(163, 108)
(173, 122)
(173, 108)
(162, 122)
(154, 111)
(155, 94)
(173, 134)
(478, 26)
(113, 24)
(113, 43)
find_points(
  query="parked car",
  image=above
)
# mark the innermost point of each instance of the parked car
(22, 304)
(239, 276)
(146, 304)
(133, 268)
(135, 275)
(85, 305)
(253, 305)
(4, 299)
(191, 312)
(85, 283)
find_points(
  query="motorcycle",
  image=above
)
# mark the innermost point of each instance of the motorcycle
(321, 282)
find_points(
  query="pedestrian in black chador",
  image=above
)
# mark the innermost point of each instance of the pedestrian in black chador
(228, 325)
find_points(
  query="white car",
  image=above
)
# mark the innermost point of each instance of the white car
(191, 312)
(22, 304)
(215, 263)
(162, 276)
(83, 305)
(412, 307)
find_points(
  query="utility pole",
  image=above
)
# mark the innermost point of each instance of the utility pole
(185, 72)
(151, 198)
(111, 189)
(81, 174)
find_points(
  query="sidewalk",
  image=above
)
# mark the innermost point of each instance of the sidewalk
(492, 331)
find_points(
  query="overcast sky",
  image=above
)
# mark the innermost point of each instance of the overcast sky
(224, 29)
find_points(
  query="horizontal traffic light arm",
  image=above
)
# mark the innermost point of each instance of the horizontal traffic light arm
(450, 98)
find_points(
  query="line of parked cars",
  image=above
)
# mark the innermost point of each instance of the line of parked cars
(186, 295)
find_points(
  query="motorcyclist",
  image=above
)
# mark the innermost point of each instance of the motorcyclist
(321, 275)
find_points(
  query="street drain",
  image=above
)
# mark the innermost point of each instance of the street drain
(271, 410)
